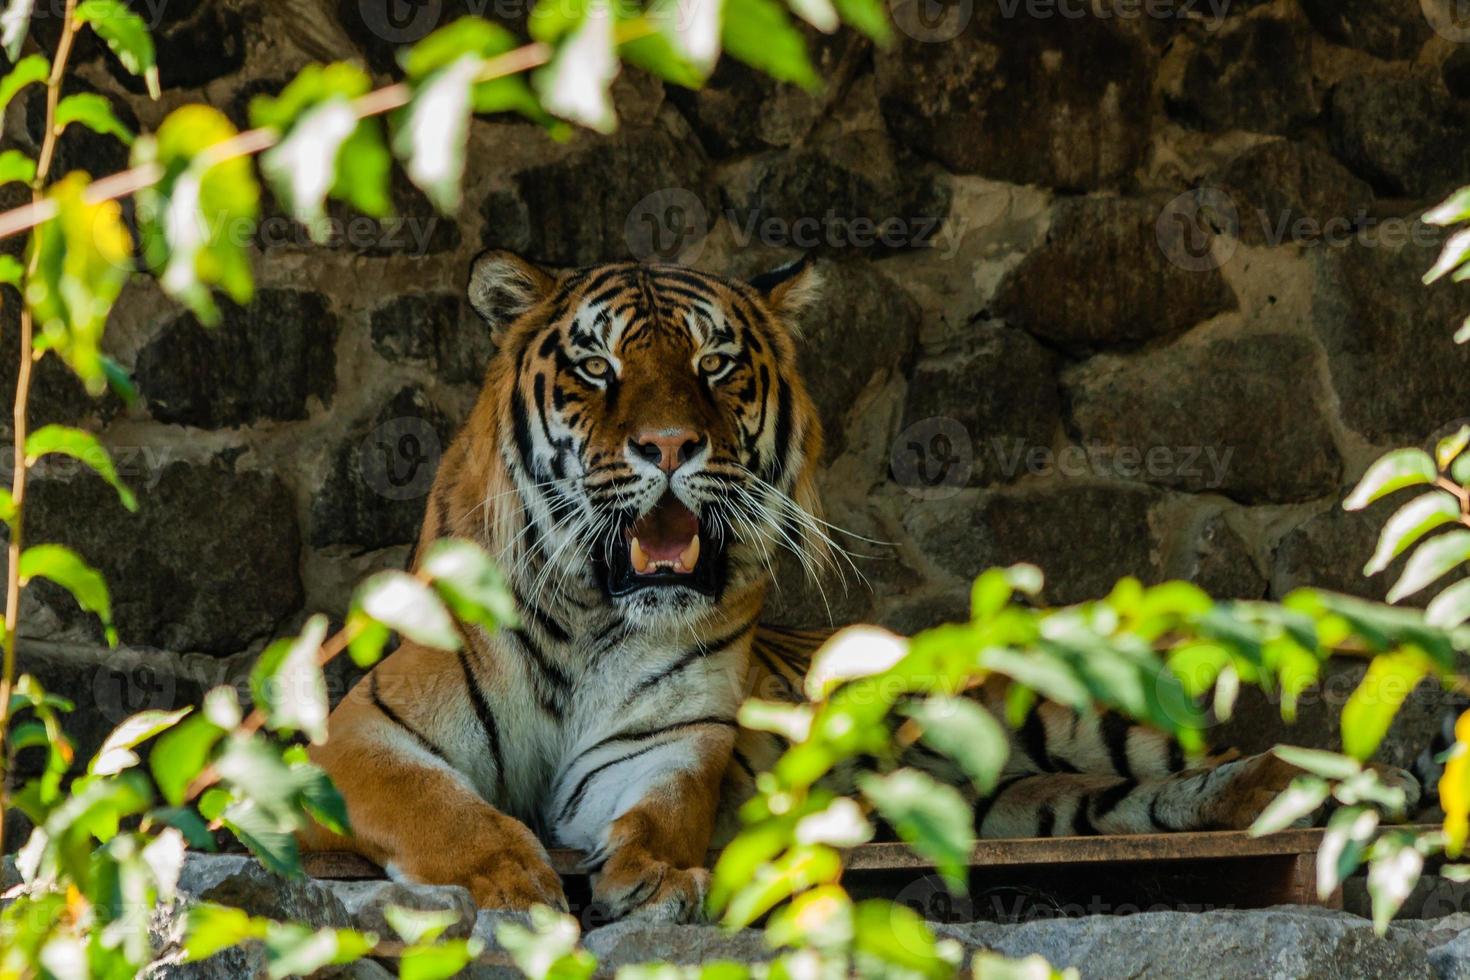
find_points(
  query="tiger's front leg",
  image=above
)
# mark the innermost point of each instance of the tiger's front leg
(648, 859)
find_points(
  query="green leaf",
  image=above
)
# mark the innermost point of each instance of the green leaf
(30, 70)
(302, 168)
(1328, 765)
(841, 824)
(1451, 607)
(368, 638)
(439, 961)
(293, 949)
(16, 167)
(82, 257)
(66, 568)
(1410, 523)
(430, 132)
(548, 950)
(759, 33)
(180, 755)
(1462, 334)
(212, 928)
(1298, 800)
(1451, 257)
(792, 722)
(931, 817)
(1394, 869)
(1451, 446)
(197, 221)
(288, 685)
(1343, 845)
(967, 733)
(1433, 559)
(896, 935)
(189, 823)
(419, 925)
(363, 167)
(126, 34)
(11, 271)
(1370, 710)
(93, 111)
(466, 36)
(469, 583)
(79, 445)
(1451, 210)
(116, 753)
(403, 603)
(1393, 471)
(868, 16)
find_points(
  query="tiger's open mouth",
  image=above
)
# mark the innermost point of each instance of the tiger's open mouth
(665, 547)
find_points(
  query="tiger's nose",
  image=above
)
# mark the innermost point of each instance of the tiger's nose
(668, 449)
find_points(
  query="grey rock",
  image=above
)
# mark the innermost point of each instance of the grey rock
(56, 394)
(1286, 942)
(374, 492)
(1381, 27)
(871, 320)
(1083, 533)
(1254, 75)
(1451, 960)
(1018, 98)
(1288, 192)
(630, 942)
(1219, 561)
(79, 148)
(437, 330)
(212, 26)
(1103, 279)
(1389, 338)
(1234, 416)
(366, 900)
(264, 361)
(1400, 133)
(848, 194)
(241, 882)
(586, 206)
(1329, 550)
(1001, 387)
(208, 563)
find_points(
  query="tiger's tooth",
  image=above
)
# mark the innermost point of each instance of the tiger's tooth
(689, 557)
(640, 560)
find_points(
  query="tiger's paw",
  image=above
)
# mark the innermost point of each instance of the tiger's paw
(636, 886)
(1254, 783)
(509, 875)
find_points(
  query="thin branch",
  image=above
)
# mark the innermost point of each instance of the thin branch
(253, 141)
(22, 396)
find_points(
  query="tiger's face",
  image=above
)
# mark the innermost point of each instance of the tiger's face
(656, 428)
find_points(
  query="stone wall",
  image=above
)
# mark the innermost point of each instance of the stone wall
(1124, 295)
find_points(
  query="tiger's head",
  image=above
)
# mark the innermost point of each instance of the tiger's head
(655, 441)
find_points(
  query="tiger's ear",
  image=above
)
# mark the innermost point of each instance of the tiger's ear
(791, 289)
(503, 286)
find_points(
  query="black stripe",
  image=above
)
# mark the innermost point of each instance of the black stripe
(692, 654)
(744, 763)
(1081, 824)
(1153, 812)
(545, 673)
(1033, 740)
(575, 800)
(1176, 756)
(1114, 730)
(543, 619)
(1046, 820)
(397, 719)
(482, 711)
(1106, 801)
(985, 804)
(639, 736)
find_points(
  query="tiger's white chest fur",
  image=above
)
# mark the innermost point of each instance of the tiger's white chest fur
(588, 727)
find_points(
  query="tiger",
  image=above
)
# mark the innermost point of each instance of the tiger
(642, 447)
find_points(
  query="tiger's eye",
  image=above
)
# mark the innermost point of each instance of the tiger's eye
(711, 363)
(595, 367)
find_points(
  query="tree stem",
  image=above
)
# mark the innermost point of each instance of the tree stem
(18, 417)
